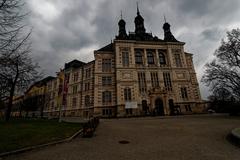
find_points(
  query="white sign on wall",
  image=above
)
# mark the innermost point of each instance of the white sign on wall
(129, 105)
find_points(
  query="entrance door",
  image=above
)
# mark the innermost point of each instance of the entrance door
(144, 106)
(159, 107)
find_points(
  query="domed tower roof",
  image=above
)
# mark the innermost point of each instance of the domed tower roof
(168, 36)
(122, 31)
(121, 22)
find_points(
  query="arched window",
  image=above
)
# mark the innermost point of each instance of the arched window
(150, 57)
(138, 57)
(162, 58)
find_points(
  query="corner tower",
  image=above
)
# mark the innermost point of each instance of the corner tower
(122, 30)
(139, 23)
(168, 36)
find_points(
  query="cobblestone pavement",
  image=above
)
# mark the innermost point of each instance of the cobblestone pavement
(161, 138)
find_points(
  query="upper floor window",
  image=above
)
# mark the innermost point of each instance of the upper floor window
(67, 77)
(107, 97)
(154, 79)
(74, 89)
(75, 77)
(150, 57)
(87, 100)
(184, 93)
(106, 65)
(125, 58)
(167, 81)
(88, 72)
(127, 94)
(162, 59)
(138, 57)
(142, 82)
(55, 85)
(87, 86)
(178, 60)
(74, 102)
(106, 81)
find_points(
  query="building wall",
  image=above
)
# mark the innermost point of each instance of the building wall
(102, 75)
(98, 88)
(126, 76)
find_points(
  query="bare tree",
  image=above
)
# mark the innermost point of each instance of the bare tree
(223, 73)
(17, 70)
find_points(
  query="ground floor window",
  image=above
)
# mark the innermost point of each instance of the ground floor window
(129, 111)
(106, 112)
(85, 114)
(188, 108)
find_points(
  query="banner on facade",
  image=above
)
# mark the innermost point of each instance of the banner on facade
(129, 105)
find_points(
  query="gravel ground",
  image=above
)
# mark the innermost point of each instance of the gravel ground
(161, 138)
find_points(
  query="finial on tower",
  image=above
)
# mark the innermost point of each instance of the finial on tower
(137, 9)
(121, 14)
(164, 18)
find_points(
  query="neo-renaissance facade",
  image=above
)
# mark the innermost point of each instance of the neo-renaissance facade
(136, 74)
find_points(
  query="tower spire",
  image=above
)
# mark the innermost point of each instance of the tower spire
(121, 14)
(164, 18)
(137, 9)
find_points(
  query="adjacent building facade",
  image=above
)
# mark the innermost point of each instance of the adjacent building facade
(136, 74)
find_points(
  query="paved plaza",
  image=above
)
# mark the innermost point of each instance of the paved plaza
(151, 138)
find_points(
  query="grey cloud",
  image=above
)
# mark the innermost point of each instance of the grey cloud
(212, 34)
(82, 26)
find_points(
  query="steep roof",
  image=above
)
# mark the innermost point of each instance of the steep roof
(74, 64)
(107, 48)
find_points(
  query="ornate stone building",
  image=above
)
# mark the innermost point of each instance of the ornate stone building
(136, 74)
(140, 73)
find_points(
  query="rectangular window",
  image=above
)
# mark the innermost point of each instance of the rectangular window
(74, 89)
(87, 100)
(188, 108)
(55, 85)
(142, 82)
(106, 65)
(88, 73)
(106, 112)
(125, 59)
(154, 79)
(87, 86)
(74, 102)
(127, 94)
(129, 111)
(184, 93)
(106, 81)
(178, 60)
(138, 56)
(75, 77)
(106, 97)
(167, 81)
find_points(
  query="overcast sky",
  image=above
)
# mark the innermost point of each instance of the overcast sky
(64, 30)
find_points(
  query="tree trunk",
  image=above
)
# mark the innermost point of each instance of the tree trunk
(9, 106)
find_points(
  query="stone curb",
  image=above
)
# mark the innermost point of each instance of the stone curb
(41, 145)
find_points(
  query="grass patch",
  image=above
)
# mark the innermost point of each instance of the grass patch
(17, 134)
(237, 131)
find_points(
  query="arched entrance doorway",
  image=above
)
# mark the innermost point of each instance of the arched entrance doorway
(159, 110)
